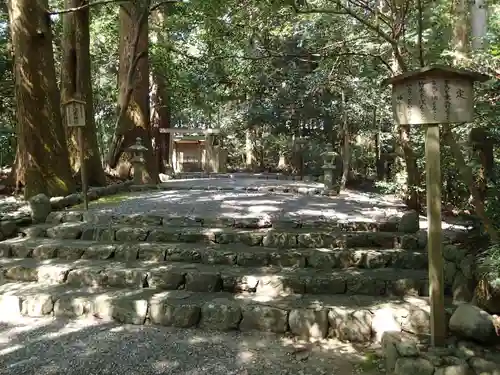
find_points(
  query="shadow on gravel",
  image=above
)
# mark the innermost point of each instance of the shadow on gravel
(49, 347)
(349, 205)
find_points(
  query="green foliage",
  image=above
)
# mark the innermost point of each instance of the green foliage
(490, 262)
(263, 66)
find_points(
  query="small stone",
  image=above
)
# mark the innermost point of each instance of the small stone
(37, 305)
(449, 270)
(72, 217)
(34, 231)
(203, 282)
(253, 259)
(352, 326)
(72, 307)
(389, 224)
(462, 288)
(8, 228)
(124, 278)
(407, 349)
(175, 313)
(86, 276)
(463, 369)
(166, 278)
(220, 314)
(40, 208)
(131, 234)
(46, 251)
(323, 259)
(264, 318)
(309, 323)
(414, 366)
(65, 231)
(454, 253)
(418, 320)
(468, 349)
(484, 367)
(470, 322)
(388, 343)
(467, 266)
(101, 252)
(409, 222)
(127, 310)
(20, 273)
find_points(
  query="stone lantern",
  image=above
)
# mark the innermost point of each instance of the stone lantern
(329, 166)
(431, 96)
(138, 161)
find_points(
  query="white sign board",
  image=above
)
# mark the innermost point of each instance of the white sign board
(433, 101)
(75, 114)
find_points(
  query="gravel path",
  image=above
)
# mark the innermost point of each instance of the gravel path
(349, 205)
(45, 346)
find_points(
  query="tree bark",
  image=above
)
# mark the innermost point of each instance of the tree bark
(460, 40)
(250, 152)
(468, 178)
(133, 98)
(479, 23)
(76, 80)
(346, 149)
(404, 149)
(161, 108)
(42, 163)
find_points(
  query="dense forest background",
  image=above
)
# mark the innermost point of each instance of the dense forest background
(280, 78)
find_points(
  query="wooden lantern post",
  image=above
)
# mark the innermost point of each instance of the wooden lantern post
(75, 118)
(431, 96)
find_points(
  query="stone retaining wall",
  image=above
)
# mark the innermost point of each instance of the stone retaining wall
(184, 309)
(11, 222)
(404, 355)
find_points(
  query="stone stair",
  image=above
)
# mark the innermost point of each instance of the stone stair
(307, 277)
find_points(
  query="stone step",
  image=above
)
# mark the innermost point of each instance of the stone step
(349, 318)
(271, 281)
(230, 254)
(159, 219)
(275, 238)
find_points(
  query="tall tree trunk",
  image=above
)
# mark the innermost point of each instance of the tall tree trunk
(404, 150)
(479, 23)
(42, 160)
(250, 159)
(76, 81)
(133, 98)
(161, 119)
(379, 162)
(460, 42)
(346, 149)
(161, 115)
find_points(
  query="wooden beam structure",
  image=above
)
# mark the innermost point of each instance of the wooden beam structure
(188, 131)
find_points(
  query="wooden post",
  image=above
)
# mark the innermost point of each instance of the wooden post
(83, 169)
(434, 234)
(431, 96)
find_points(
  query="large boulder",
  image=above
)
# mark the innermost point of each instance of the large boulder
(409, 222)
(470, 322)
(40, 208)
